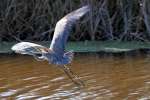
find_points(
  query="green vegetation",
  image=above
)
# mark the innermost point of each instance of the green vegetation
(34, 20)
(90, 46)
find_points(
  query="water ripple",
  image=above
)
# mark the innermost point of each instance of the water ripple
(106, 78)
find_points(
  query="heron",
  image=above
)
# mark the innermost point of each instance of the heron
(56, 53)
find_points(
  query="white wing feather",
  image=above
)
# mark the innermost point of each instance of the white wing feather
(28, 48)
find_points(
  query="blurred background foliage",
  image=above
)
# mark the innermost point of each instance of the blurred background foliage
(35, 20)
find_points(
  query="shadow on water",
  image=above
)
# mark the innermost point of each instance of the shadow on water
(106, 77)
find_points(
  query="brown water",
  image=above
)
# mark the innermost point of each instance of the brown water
(106, 78)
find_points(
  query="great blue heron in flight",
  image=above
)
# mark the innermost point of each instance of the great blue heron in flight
(56, 54)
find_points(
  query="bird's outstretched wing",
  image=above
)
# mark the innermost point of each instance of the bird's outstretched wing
(28, 48)
(63, 27)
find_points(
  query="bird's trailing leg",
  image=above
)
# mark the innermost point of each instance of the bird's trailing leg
(74, 77)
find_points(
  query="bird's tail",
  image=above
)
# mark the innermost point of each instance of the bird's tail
(68, 56)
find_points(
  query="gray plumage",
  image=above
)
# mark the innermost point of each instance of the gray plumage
(56, 53)
(63, 28)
